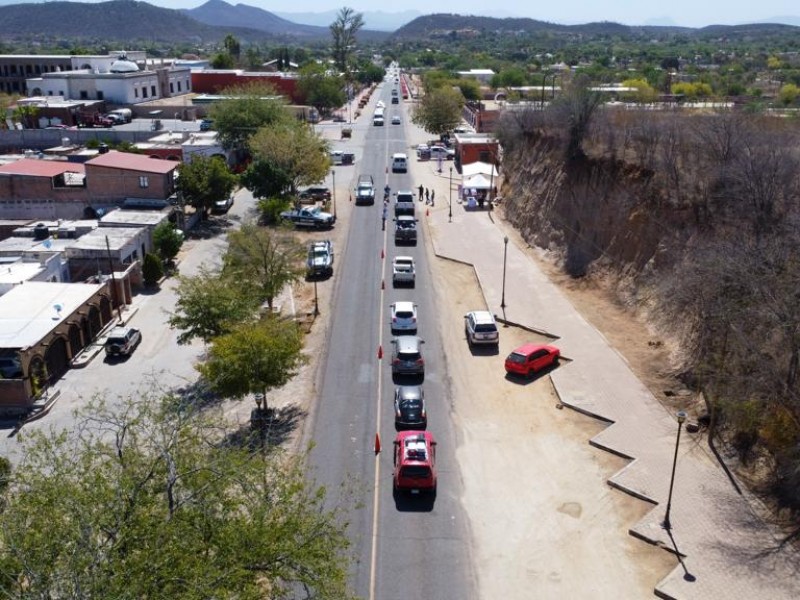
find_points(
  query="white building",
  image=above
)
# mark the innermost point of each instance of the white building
(115, 80)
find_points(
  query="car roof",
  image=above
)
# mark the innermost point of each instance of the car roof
(409, 258)
(403, 305)
(482, 316)
(407, 343)
(415, 444)
(119, 330)
(531, 347)
(409, 392)
(406, 218)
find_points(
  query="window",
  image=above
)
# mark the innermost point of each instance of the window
(135, 92)
(100, 95)
(172, 87)
(84, 95)
(179, 86)
(483, 156)
(144, 92)
(153, 91)
(144, 181)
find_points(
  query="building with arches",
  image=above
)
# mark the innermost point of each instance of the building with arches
(43, 327)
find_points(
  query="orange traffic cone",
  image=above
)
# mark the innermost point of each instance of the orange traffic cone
(377, 443)
(351, 197)
(380, 352)
(383, 254)
(427, 212)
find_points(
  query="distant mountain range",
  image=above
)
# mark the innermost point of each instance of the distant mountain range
(377, 20)
(131, 22)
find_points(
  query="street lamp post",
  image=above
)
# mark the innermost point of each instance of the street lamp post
(450, 200)
(333, 174)
(681, 416)
(316, 300)
(505, 256)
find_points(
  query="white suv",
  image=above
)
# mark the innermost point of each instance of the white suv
(404, 317)
(481, 328)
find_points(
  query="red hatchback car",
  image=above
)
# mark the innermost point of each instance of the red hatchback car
(531, 358)
(415, 462)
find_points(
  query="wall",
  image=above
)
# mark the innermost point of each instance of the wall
(109, 184)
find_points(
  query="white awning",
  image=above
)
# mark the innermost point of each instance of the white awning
(485, 168)
(479, 181)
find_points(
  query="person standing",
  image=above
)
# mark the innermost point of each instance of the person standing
(420, 192)
(427, 196)
(433, 194)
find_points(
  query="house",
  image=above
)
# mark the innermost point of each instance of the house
(43, 189)
(475, 147)
(214, 81)
(113, 176)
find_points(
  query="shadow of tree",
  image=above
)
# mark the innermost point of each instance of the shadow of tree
(197, 395)
(270, 428)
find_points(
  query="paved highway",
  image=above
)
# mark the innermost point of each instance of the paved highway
(404, 547)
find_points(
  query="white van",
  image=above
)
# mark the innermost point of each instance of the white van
(377, 121)
(399, 163)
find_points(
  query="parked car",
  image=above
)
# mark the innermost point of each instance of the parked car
(415, 462)
(442, 152)
(403, 271)
(409, 407)
(396, 120)
(222, 206)
(404, 316)
(423, 152)
(405, 230)
(481, 328)
(320, 259)
(531, 358)
(206, 124)
(309, 217)
(122, 341)
(315, 194)
(407, 358)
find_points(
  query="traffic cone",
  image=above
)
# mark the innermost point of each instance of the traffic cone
(380, 352)
(383, 254)
(427, 212)
(377, 443)
(383, 286)
(351, 197)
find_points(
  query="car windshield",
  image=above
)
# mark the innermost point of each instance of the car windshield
(516, 358)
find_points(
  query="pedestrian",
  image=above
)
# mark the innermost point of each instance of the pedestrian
(420, 192)
(427, 196)
(433, 194)
(385, 215)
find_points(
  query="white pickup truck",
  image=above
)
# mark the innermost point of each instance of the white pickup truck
(403, 272)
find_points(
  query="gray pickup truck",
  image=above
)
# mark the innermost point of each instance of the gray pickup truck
(403, 272)
(365, 190)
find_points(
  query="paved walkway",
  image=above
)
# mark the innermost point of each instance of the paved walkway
(728, 551)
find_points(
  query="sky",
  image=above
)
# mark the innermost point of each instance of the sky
(689, 13)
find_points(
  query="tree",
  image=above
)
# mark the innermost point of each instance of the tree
(267, 260)
(152, 269)
(470, 88)
(26, 114)
(573, 111)
(150, 500)
(210, 305)
(232, 47)
(644, 91)
(247, 110)
(293, 150)
(167, 240)
(222, 60)
(266, 180)
(788, 94)
(204, 180)
(439, 110)
(319, 90)
(343, 31)
(254, 358)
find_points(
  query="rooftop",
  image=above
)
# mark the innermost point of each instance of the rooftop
(35, 167)
(30, 311)
(133, 162)
(133, 218)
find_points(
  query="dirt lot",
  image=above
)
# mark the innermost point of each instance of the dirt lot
(548, 522)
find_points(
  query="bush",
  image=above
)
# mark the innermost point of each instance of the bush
(152, 270)
(271, 209)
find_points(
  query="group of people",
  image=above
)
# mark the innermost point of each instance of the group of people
(429, 195)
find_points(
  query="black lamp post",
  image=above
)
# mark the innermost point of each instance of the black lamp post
(333, 174)
(681, 416)
(316, 300)
(505, 256)
(450, 200)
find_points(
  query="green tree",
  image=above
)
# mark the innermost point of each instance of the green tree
(204, 180)
(788, 94)
(343, 32)
(267, 260)
(470, 88)
(222, 60)
(210, 305)
(167, 240)
(26, 114)
(152, 269)
(254, 358)
(644, 91)
(439, 111)
(294, 150)
(247, 110)
(265, 179)
(233, 47)
(144, 501)
(319, 90)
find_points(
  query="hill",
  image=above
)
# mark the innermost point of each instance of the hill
(125, 20)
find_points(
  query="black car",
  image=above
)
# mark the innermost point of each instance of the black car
(409, 408)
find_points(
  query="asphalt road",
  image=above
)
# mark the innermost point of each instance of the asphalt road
(404, 547)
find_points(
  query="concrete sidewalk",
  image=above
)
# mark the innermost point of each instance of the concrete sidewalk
(728, 551)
